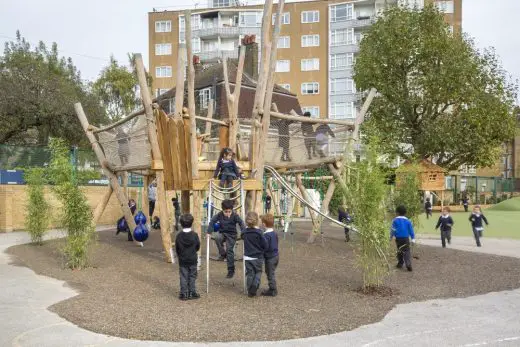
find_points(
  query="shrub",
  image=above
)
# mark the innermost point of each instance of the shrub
(37, 210)
(76, 216)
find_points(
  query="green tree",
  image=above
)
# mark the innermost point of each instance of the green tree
(76, 216)
(407, 192)
(39, 89)
(438, 96)
(117, 89)
(37, 209)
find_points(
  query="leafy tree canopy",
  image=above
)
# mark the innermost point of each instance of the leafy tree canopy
(438, 96)
(117, 89)
(38, 90)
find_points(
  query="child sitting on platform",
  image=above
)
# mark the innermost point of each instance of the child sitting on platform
(227, 170)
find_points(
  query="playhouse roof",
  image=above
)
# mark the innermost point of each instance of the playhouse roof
(424, 166)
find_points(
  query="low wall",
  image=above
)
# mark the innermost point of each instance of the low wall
(14, 198)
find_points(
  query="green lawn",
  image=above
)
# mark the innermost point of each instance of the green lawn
(502, 224)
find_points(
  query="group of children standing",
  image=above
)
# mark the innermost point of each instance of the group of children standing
(260, 248)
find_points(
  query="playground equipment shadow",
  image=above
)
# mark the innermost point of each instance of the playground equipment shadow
(130, 292)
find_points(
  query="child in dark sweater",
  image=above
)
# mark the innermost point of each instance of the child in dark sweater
(476, 219)
(226, 222)
(187, 244)
(445, 223)
(255, 246)
(227, 170)
(428, 208)
(270, 254)
(345, 218)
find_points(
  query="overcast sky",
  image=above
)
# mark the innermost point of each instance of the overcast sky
(90, 31)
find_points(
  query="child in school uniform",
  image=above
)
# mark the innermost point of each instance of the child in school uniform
(476, 218)
(345, 218)
(428, 208)
(226, 222)
(270, 254)
(187, 244)
(226, 170)
(445, 223)
(255, 246)
(402, 230)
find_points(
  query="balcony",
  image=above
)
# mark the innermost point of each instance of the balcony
(225, 32)
(212, 56)
(354, 48)
(360, 22)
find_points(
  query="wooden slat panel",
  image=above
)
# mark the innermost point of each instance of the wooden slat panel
(164, 146)
(174, 154)
(183, 160)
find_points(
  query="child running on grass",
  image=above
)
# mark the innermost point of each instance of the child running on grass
(187, 244)
(445, 223)
(476, 219)
(255, 246)
(402, 230)
(271, 254)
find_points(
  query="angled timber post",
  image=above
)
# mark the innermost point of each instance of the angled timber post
(157, 164)
(268, 97)
(197, 195)
(114, 183)
(233, 99)
(252, 200)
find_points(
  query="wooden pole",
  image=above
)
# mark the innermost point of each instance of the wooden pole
(132, 115)
(124, 181)
(145, 202)
(156, 155)
(307, 164)
(324, 209)
(100, 208)
(302, 119)
(208, 125)
(179, 86)
(197, 205)
(339, 178)
(234, 99)
(361, 117)
(252, 201)
(114, 183)
(267, 101)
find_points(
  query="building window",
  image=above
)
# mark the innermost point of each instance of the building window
(285, 86)
(342, 37)
(341, 61)
(284, 42)
(450, 29)
(310, 64)
(445, 6)
(286, 18)
(163, 26)
(205, 97)
(412, 3)
(342, 110)
(341, 12)
(313, 110)
(163, 49)
(310, 40)
(283, 65)
(250, 19)
(163, 71)
(220, 3)
(195, 23)
(195, 45)
(432, 177)
(342, 86)
(160, 91)
(310, 16)
(310, 88)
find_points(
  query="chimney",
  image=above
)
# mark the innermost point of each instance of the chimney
(251, 57)
(197, 64)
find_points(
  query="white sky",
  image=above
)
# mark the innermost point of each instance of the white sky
(90, 31)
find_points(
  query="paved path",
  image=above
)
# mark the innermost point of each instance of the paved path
(485, 320)
(504, 247)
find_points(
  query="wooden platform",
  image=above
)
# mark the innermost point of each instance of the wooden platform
(203, 184)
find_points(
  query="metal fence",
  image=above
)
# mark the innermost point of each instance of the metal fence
(15, 159)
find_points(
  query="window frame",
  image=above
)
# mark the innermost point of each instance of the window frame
(287, 39)
(204, 97)
(168, 25)
(286, 86)
(317, 84)
(314, 67)
(309, 108)
(159, 68)
(283, 61)
(285, 16)
(333, 10)
(168, 51)
(313, 38)
(315, 16)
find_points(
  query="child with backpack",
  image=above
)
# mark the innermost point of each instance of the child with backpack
(445, 223)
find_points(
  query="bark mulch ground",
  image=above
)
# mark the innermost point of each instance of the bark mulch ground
(130, 292)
